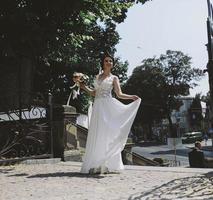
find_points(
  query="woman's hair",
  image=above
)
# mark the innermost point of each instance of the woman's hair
(106, 54)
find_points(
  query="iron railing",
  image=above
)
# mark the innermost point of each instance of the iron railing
(25, 128)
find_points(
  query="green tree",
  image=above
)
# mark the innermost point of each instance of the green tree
(59, 37)
(195, 113)
(159, 81)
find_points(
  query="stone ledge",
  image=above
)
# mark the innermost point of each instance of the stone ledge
(41, 161)
(12, 161)
(152, 168)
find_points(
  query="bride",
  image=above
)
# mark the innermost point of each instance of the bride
(110, 122)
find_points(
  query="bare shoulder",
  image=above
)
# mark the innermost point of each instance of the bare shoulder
(97, 76)
(115, 78)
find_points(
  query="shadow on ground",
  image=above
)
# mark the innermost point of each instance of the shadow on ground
(22, 174)
(189, 188)
(5, 171)
(68, 174)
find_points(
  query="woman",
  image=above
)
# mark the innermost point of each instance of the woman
(110, 122)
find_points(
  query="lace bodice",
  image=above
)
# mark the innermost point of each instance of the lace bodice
(104, 87)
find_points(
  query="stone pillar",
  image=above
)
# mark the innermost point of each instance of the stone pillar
(63, 116)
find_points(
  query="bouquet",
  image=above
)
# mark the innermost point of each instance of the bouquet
(75, 89)
(80, 78)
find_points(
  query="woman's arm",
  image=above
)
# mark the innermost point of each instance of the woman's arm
(119, 93)
(87, 89)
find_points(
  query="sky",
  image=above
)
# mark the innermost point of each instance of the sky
(158, 25)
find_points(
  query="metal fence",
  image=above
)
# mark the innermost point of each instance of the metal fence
(25, 125)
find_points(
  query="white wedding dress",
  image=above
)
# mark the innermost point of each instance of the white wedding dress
(109, 127)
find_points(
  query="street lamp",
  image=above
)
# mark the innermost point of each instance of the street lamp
(210, 56)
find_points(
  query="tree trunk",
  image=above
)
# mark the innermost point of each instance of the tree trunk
(172, 130)
(149, 130)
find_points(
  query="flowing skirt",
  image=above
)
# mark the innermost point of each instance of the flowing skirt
(110, 125)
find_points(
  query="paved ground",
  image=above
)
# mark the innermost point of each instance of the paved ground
(62, 181)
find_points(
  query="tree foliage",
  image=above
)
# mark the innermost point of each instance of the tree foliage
(195, 113)
(59, 37)
(60, 30)
(159, 81)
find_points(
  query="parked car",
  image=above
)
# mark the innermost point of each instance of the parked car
(192, 137)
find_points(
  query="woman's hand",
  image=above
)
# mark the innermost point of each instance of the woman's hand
(135, 97)
(82, 85)
(80, 78)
